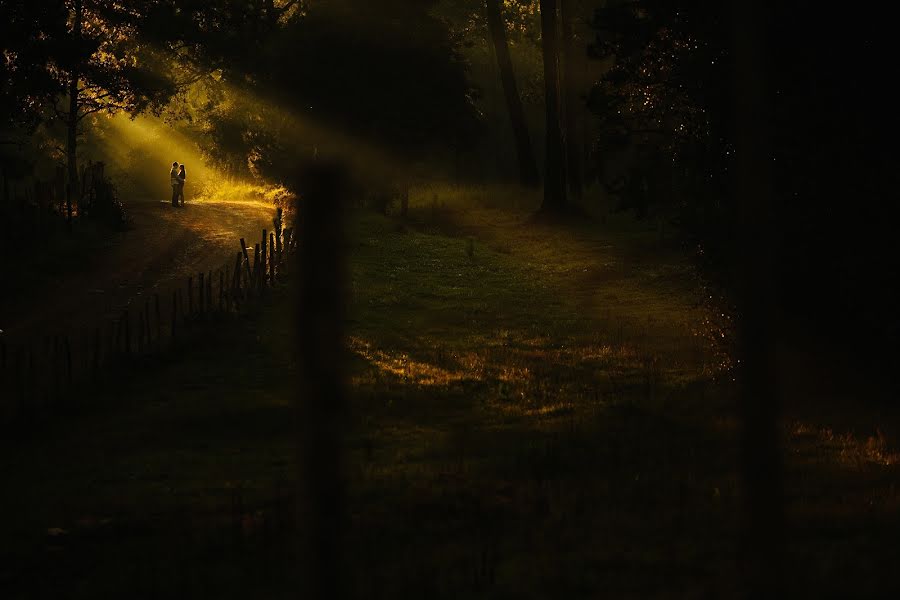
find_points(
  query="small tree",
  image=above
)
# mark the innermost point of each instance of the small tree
(106, 67)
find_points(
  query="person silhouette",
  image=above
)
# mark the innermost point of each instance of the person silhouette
(182, 175)
(174, 181)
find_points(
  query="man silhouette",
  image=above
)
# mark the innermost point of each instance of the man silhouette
(175, 182)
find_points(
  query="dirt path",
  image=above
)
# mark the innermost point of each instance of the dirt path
(164, 246)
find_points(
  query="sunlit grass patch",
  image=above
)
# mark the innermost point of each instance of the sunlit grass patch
(821, 444)
(550, 327)
(402, 365)
(244, 192)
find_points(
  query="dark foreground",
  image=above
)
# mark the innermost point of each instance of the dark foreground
(521, 427)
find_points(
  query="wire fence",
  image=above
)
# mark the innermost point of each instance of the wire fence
(43, 376)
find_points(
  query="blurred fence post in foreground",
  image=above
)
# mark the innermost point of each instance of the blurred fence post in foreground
(320, 394)
(762, 551)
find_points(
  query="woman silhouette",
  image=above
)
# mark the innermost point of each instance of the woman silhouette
(181, 177)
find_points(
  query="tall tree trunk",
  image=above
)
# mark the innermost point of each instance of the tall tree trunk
(72, 119)
(528, 171)
(574, 156)
(761, 459)
(554, 166)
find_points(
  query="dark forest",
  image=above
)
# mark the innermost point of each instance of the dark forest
(448, 299)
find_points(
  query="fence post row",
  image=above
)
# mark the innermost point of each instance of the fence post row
(236, 278)
(32, 383)
(265, 243)
(158, 319)
(272, 259)
(246, 260)
(127, 332)
(174, 311)
(254, 279)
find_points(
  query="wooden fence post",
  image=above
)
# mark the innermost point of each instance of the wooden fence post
(209, 288)
(201, 289)
(95, 367)
(263, 259)
(174, 311)
(236, 279)
(67, 349)
(190, 286)
(222, 290)
(53, 362)
(29, 378)
(246, 260)
(147, 322)
(277, 222)
(288, 239)
(112, 340)
(139, 346)
(272, 259)
(127, 318)
(20, 379)
(158, 319)
(254, 284)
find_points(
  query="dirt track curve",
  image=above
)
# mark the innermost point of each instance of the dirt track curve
(163, 247)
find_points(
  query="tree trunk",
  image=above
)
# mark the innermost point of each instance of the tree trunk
(71, 147)
(72, 119)
(761, 461)
(528, 171)
(554, 168)
(574, 155)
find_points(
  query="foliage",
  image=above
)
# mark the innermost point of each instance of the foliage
(521, 17)
(665, 100)
(385, 77)
(26, 85)
(108, 52)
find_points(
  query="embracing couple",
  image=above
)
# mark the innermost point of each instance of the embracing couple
(176, 178)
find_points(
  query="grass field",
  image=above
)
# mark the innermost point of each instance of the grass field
(537, 411)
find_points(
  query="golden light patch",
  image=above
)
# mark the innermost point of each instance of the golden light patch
(846, 448)
(402, 365)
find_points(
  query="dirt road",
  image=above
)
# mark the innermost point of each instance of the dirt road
(162, 248)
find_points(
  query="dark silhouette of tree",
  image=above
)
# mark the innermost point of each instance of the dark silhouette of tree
(75, 114)
(361, 76)
(83, 57)
(27, 87)
(572, 101)
(555, 200)
(528, 171)
(108, 66)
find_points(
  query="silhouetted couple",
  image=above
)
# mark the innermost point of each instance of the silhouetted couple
(177, 177)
